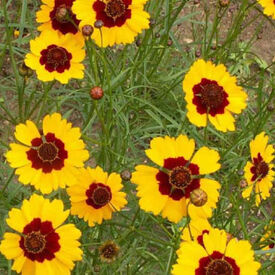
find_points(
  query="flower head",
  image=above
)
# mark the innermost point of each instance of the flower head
(48, 159)
(167, 189)
(269, 7)
(56, 57)
(122, 19)
(96, 195)
(217, 255)
(258, 172)
(57, 15)
(212, 95)
(108, 251)
(41, 242)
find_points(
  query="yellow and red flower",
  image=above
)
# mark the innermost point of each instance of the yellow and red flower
(56, 15)
(41, 244)
(269, 7)
(167, 189)
(96, 195)
(56, 57)
(212, 95)
(258, 173)
(122, 20)
(217, 255)
(49, 158)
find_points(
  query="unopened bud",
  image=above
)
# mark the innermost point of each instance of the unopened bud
(96, 93)
(87, 30)
(61, 13)
(24, 70)
(229, 237)
(126, 175)
(98, 24)
(198, 197)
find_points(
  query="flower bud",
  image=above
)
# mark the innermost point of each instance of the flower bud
(87, 30)
(98, 24)
(243, 183)
(126, 175)
(61, 13)
(198, 197)
(224, 3)
(24, 70)
(96, 93)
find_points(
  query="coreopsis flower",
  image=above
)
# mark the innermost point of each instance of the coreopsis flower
(217, 255)
(269, 236)
(122, 20)
(49, 158)
(56, 15)
(108, 251)
(258, 172)
(96, 195)
(56, 57)
(41, 244)
(212, 95)
(167, 189)
(269, 7)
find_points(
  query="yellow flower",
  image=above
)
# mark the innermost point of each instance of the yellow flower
(167, 190)
(122, 20)
(212, 95)
(258, 173)
(269, 236)
(269, 7)
(56, 15)
(56, 57)
(217, 256)
(42, 245)
(48, 159)
(197, 228)
(96, 195)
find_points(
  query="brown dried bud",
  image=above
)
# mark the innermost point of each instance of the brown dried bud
(87, 30)
(96, 268)
(270, 107)
(198, 197)
(98, 24)
(96, 93)
(108, 251)
(224, 3)
(243, 183)
(126, 175)
(157, 35)
(24, 70)
(196, 2)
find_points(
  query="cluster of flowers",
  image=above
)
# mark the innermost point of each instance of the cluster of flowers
(54, 156)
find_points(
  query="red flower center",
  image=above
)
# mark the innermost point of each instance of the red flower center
(39, 241)
(219, 267)
(115, 8)
(180, 177)
(179, 182)
(113, 13)
(55, 58)
(98, 195)
(209, 97)
(48, 153)
(259, 169)
(62, 18)
(217, 264)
